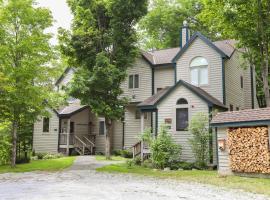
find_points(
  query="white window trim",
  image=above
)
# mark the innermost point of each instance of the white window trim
(139, 81)
(198, 67)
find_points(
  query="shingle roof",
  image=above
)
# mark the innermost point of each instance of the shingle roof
(71, 109)
(155, 99)
(166, 56)
(163, 56)
(249, 115)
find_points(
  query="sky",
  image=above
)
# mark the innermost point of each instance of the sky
(61, 14)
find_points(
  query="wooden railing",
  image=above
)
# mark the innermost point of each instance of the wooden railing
(141, 149)
(84, 137)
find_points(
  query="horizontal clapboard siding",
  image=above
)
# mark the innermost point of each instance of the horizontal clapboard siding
(200, 48)
(133, 126)
(117, 135)
(167, 110)
(164, 77)
(144, 91)
(223, 156)
(46, 142)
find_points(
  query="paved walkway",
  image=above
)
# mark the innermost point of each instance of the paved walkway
(82, 182)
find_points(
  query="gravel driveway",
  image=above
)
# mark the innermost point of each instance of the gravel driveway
(83, 183)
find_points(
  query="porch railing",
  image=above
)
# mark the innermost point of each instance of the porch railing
(84, 137)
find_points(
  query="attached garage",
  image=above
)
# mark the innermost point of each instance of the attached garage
(243, 142)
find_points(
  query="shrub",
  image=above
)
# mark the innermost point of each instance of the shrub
(5, 144)
(22, 160)
(126, 154)
(117, 152)
(164, 151)
(130, 163)
(147, 163)
(200, 141)
(185, 165)
(52, 156)
(137, 160)
(40, 155)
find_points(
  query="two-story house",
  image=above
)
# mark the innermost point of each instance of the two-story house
(169, 86)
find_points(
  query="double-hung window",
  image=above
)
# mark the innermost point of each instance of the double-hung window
(46, 125)
(133, 81)
(199, 71)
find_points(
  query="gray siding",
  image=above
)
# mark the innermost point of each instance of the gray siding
(223, 156)
(167, 109)
(46, 142)
(163, 77)
(200, 48)
(133, 126)
(144, 91)
(117, 135)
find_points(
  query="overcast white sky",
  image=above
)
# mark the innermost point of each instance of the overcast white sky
(61, 14)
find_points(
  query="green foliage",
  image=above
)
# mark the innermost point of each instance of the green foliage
(164, 151)
(247, 22)
(147, 163)
(26, 76)
(161, 27)
(199, 127)
(137, 160)
(126, 153)
(5, 146)
(130, 163)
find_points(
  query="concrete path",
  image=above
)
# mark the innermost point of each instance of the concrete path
(82, 182)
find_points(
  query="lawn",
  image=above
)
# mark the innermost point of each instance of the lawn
(255, 185)
(40, 165)
(113, 158)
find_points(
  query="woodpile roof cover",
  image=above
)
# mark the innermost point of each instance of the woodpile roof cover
(243, 116)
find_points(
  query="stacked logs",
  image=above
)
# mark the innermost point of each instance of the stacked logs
(249, 149)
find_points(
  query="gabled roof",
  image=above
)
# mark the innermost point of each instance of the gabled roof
(71, 110)
(153, 101)
(169, 56)
(207, 41)
(161, 57)
(243, 117)
(67, 70)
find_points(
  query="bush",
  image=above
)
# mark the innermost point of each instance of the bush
(5, 144)
(22, 160)
(147, 163)
(137, 160)
(117, 152)
(200, 141)
(52, 156)
(40, 155)
(126, 154)
(164, 151)
(130, 163)
(185, 165)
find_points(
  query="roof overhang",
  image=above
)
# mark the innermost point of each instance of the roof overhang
(192, 39)
(242, 124)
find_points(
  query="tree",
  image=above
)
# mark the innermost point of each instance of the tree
(199, 127)
(102, 46)
(25, 73)
(248, 22)
(161, 27)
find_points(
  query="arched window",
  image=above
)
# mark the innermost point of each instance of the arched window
(199, 71)
(182, 115)
(181, 101)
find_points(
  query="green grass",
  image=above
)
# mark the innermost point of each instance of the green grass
(40, 165)
(255, 185)
(113, 158)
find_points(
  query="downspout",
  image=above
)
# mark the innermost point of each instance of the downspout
(252, 87)
(59, 132)
(217, 148)
(223, 81)
(175, 73)
(156, 131)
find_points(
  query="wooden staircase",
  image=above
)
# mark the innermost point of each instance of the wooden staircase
(83, 145)
(141, 149)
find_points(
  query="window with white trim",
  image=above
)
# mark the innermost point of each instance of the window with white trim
(133, 81)
(101, 127)
(199, 71)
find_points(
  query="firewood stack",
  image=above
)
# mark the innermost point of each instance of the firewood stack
(249, 150)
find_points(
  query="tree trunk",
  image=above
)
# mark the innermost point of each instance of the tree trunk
(14, 144)
(109, 132)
